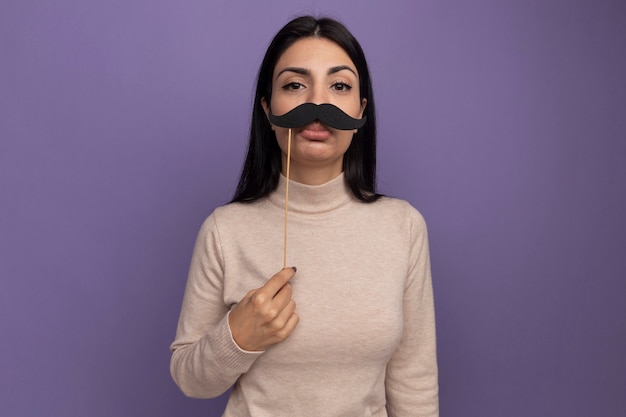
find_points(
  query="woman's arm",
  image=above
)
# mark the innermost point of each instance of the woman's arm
(216, 344)
(205, 360)
(412, 376)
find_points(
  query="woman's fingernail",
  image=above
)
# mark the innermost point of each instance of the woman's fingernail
(294, 269)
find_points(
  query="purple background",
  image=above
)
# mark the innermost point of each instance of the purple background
(123, 124)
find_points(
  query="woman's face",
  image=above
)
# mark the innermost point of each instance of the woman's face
(315, 70)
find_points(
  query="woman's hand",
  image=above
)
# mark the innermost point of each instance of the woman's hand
(265, 316)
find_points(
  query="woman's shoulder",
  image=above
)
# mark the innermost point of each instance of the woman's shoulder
(401, 210)
(236, 213)
(398, 205)
(236, 208)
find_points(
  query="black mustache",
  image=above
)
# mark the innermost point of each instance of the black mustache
(326, 113)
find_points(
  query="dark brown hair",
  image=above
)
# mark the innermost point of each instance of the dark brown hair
(262, 166)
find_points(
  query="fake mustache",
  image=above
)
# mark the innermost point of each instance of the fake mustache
(307, 113)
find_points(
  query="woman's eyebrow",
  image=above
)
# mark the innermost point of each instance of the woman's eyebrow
(304, 71)
(297, 70)
(338, 68)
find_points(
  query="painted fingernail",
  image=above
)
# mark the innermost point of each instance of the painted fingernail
(294, 269)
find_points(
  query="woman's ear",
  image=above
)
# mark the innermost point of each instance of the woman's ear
(363, 104)
(266, 109)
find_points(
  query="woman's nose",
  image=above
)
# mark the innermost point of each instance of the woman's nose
(318, 95)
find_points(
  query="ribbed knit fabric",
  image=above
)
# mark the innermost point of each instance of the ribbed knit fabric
(365, 343)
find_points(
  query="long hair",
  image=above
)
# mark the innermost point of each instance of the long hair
(262, 166)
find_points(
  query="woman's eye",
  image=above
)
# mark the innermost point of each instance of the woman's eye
(342, 86)
(293, 86)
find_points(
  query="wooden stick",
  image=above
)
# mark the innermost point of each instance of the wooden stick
(287, 199)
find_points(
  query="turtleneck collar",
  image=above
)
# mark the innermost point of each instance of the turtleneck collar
(312, 199)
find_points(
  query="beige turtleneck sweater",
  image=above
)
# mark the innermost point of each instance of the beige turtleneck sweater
(365, 343)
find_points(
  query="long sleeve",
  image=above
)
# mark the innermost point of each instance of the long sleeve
(412, 377)
(205, 360)
(365, 341)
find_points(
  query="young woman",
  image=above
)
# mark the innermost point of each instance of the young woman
(349, 330)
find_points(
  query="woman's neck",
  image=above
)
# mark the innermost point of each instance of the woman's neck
(312, 199)
(312, 175)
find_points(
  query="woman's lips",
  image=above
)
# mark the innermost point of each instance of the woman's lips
(315, 131)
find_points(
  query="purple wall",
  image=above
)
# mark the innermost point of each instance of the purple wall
(123, 124)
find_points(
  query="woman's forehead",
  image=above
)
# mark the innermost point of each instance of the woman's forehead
(313, 53)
